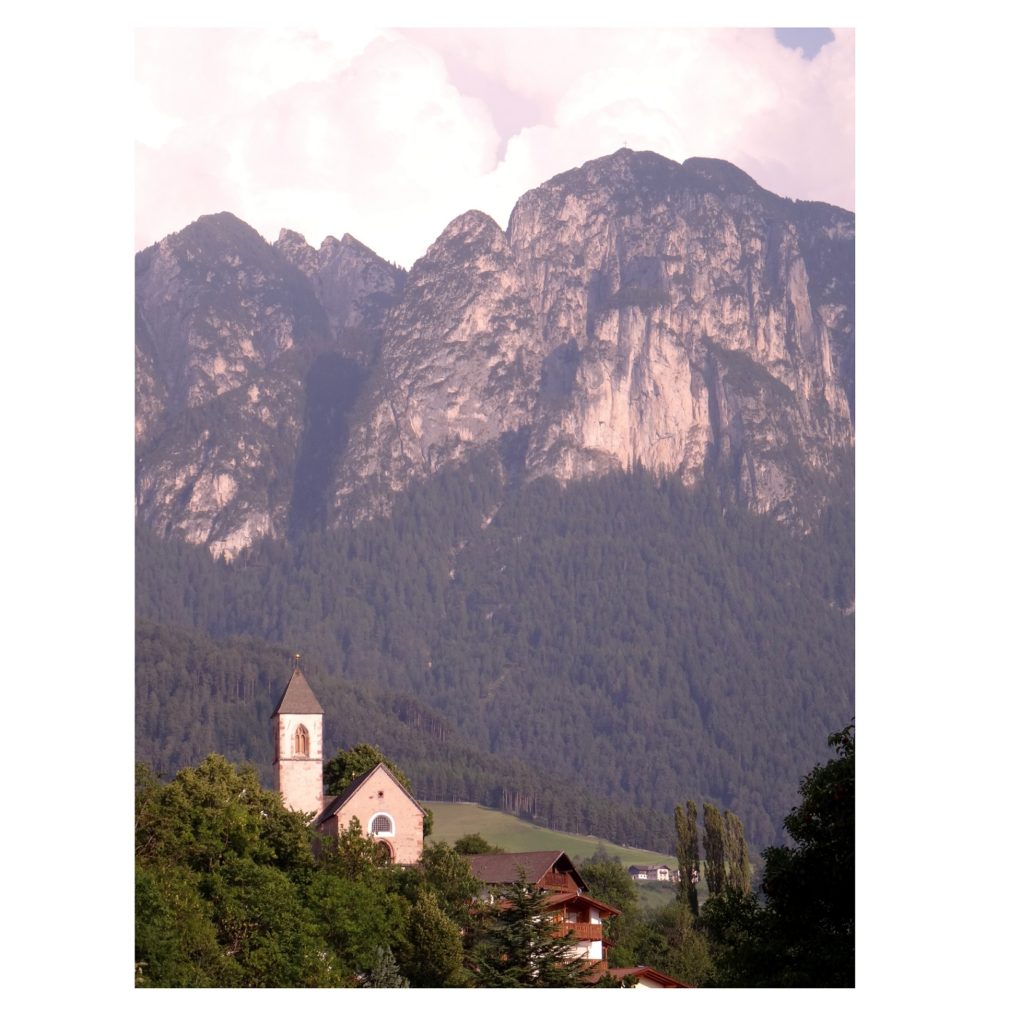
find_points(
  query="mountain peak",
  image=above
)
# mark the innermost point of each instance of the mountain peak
(473, 229)
(721, 174)
(288, 236)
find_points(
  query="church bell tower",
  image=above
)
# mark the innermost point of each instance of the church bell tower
(297, 745)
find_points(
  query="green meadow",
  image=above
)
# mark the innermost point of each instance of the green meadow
(454, 820)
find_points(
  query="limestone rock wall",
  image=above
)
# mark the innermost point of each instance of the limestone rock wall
(635, 311)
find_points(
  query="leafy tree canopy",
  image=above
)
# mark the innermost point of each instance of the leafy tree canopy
(221, 873)
(803, 934)
(473, 843)
(340, 771)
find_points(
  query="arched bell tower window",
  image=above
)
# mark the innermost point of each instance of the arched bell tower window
(301, 742)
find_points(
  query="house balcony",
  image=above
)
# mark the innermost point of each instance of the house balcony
(583, 931)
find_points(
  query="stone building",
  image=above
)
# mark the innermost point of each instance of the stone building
(385, 810)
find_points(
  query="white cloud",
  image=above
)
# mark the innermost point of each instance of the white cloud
(389, 135)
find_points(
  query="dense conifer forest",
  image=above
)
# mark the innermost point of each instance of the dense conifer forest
(589, 655)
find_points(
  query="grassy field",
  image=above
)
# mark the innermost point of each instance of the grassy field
(451, 821)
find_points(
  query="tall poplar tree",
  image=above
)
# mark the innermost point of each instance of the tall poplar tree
(714, 850)
(687, 853)
(737, 854)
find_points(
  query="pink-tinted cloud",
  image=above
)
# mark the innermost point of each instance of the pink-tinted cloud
(390, 134)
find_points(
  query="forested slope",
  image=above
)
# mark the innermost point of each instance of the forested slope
(624, 636)
(196, 695)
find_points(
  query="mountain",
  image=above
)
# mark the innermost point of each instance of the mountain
(636, 311)
(578, 492)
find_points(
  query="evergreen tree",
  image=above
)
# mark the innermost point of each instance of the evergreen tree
(385, 973)
(433, 956)
(431, 601)
(519, 944)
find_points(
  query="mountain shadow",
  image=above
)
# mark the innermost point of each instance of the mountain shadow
(332, 385)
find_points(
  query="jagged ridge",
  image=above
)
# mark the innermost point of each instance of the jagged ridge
(635, 311)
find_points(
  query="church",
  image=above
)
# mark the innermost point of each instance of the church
(391, 817)
(384, 808)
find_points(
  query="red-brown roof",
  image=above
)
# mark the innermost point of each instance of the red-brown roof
(502, 868)
(646, 972)
(558, 899)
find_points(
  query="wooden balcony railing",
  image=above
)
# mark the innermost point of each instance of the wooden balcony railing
(583, 931)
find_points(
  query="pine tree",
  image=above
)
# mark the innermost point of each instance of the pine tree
(519, 944)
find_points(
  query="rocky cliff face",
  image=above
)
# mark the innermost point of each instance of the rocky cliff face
(232, 336)
(354, 286)
(460, 367)
(636, 311)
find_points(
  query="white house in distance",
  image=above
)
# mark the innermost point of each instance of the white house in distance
(653, 873)
(384, 808)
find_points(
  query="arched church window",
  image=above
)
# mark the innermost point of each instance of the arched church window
(381, 825)
(301, 742)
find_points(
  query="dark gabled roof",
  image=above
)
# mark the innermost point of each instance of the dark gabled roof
(501, 868)
(336, 802)
(297, 698)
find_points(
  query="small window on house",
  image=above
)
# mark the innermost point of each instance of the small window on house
(301, 742)
(381, 825)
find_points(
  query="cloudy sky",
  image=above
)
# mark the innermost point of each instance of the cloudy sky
(389, 134)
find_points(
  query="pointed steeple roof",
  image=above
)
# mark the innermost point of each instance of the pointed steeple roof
(297, 698)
